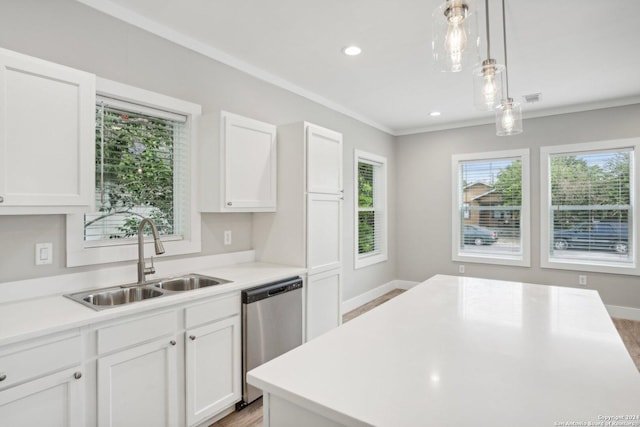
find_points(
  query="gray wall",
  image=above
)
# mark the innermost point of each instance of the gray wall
(72, 34)
(424, 197)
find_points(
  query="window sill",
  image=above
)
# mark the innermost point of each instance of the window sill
(516, 261)
(367, 260)
(591, 266)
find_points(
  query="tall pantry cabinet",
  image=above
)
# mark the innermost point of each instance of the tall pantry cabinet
(307, 228)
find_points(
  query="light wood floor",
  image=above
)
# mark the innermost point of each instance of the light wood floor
(251, 416)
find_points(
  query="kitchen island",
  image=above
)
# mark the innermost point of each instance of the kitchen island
(457, 351)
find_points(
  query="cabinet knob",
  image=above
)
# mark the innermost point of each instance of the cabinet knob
(172, 342)
(229, 204)
(3, 376)
(77, 375)
(1, 199)
(192, 337)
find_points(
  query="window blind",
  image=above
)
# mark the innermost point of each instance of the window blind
(591, 205)
(490, 206)
(141, 171)
(370, 208)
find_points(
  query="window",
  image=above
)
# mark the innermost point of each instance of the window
(144, 168)
(588, 213)
(371, 209)
(490, 208)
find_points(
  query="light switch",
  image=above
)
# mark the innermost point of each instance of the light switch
(44, 253)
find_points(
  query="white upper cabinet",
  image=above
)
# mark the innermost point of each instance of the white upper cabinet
(324, 160)
(246, 166)
(47, 136)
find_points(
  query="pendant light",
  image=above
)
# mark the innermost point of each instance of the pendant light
(454, 34)
(508, 113)
(487, 78)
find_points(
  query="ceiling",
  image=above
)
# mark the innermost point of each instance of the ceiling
(579, 54)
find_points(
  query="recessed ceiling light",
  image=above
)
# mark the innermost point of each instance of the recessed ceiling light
(434, 113)
(352, 50)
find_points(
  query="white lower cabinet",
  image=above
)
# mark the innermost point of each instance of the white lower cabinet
(42, 382)
(170, 367)
(213, 368)
(141, 373)
(137, 387)
(323, 302)
(55, 400)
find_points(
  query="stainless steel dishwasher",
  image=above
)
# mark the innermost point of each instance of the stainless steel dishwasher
(271, 326)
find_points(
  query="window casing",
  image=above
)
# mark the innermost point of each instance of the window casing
(145, 167)
(588, 214)
(490, 206)
(370, 196)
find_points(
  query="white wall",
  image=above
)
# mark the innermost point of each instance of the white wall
(69, 33)
(424, 197)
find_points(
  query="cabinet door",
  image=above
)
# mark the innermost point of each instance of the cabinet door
(324, 232)
(324, 298)
(324, 160)
(47, 143)
(213, 368)
(249, 153)
(55, 400)
(138, 387)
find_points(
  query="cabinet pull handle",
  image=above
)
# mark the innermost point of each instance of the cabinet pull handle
(3, 376)
(172, 342)
(192, 337)
(77, 375)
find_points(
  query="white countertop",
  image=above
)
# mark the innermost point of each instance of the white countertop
(36, 317)
(456, 351)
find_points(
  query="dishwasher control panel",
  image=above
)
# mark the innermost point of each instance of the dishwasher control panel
(269, 290)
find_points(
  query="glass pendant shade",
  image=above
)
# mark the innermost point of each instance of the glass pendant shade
(508, 118)
(487, 82)
(455, 41)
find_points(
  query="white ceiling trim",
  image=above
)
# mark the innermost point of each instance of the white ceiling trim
(575, 108)
(160, 30)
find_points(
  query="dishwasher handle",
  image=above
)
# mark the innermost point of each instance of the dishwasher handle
(270, 290)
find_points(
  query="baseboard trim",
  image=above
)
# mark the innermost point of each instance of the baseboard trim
(374, 293)
(404, 284)
(622, 312)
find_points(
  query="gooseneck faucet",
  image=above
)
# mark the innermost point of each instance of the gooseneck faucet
(143, 270)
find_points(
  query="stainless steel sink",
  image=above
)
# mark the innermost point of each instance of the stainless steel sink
(121, 296)
(100, 299)
(188, 282)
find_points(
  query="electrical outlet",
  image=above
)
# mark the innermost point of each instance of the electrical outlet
(461, 269)
(44, 253)
(227, 237)
(582, 280)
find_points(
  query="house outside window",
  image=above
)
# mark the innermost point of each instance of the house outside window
(145, 167)
(588, 206)
(370, 209)
(491, 208)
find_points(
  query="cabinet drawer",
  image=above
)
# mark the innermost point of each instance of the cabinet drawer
(136, 331)
(212, 310)
(39, 359)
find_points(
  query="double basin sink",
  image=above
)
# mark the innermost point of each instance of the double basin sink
(99, 299)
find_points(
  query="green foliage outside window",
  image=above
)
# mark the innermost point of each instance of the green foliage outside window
(366, 217)
(137, 174)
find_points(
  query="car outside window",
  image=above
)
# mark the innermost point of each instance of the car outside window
(490, 207)
(588, 206)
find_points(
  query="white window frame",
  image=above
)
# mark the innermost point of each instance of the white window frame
(546, 261)
(380, 201)
(522, 259)
(80, 252)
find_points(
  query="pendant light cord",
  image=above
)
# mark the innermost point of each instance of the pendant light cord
(486, 8)
(504, 38)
